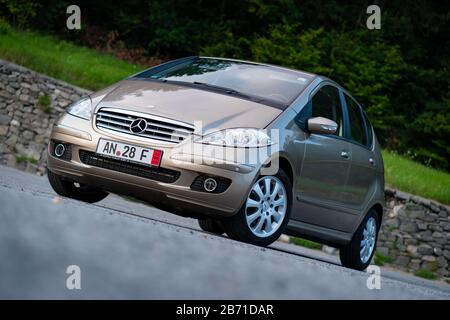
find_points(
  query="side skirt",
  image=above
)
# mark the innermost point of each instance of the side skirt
(330, 237)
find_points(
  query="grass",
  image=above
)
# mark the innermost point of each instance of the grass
(90, 69)
(412, 177)
(44, 103)
(381, 260)
(426, 274)
(22, 158)
(305, 243)
(80, 66)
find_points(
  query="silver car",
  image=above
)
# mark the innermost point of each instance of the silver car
(249, 149)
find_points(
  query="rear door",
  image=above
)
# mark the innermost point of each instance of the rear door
(361, 183)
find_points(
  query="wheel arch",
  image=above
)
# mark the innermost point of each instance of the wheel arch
(377, 206)
(286, 166)
(284, 163)
(379, 210)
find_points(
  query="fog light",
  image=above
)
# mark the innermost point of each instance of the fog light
(210, 184)
(59, 150)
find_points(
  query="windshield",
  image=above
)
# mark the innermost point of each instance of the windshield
(265, 82)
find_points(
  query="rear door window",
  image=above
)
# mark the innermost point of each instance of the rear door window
(369, 129)
(357, 123)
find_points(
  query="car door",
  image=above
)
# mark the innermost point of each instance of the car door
(325, 165)
(361, 182)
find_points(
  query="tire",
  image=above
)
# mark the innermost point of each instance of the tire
(67, 188)
(210, 225)
(350, 254)
(238, 228)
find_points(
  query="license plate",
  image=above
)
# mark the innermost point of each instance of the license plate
(128, 152)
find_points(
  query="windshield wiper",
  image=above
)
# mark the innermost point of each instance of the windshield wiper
(233, 92)
(220, 88)
(158, 79)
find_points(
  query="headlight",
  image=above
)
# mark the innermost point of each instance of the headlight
(241, 137)
(81, 108)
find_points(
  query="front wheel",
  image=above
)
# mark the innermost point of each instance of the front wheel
(265, 213)
(74, 190)
(359, 252)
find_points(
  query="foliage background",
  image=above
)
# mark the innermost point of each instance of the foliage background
(399, 73)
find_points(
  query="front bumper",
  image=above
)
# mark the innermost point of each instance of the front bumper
(82, 136)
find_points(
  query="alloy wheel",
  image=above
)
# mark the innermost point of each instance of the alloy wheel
(368, 242)
(266, 206)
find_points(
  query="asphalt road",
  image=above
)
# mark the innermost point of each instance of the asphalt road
(126, 249)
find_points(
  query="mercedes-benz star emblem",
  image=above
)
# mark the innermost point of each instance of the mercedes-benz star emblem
(138, 125)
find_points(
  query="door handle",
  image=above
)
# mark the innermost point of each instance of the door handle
(345, 154)
(371, 161)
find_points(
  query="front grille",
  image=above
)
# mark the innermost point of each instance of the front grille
(158, 128)
(222, 184)
(158, 174)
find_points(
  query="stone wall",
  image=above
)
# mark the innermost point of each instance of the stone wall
(415, 232)
(26, 119)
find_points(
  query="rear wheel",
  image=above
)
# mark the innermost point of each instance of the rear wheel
(265, 213)
(359, 252)
(74, 190)
(210, 225)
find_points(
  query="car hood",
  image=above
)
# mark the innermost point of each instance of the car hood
(187, 104)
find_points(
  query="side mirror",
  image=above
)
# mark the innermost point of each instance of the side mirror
(321, 125)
